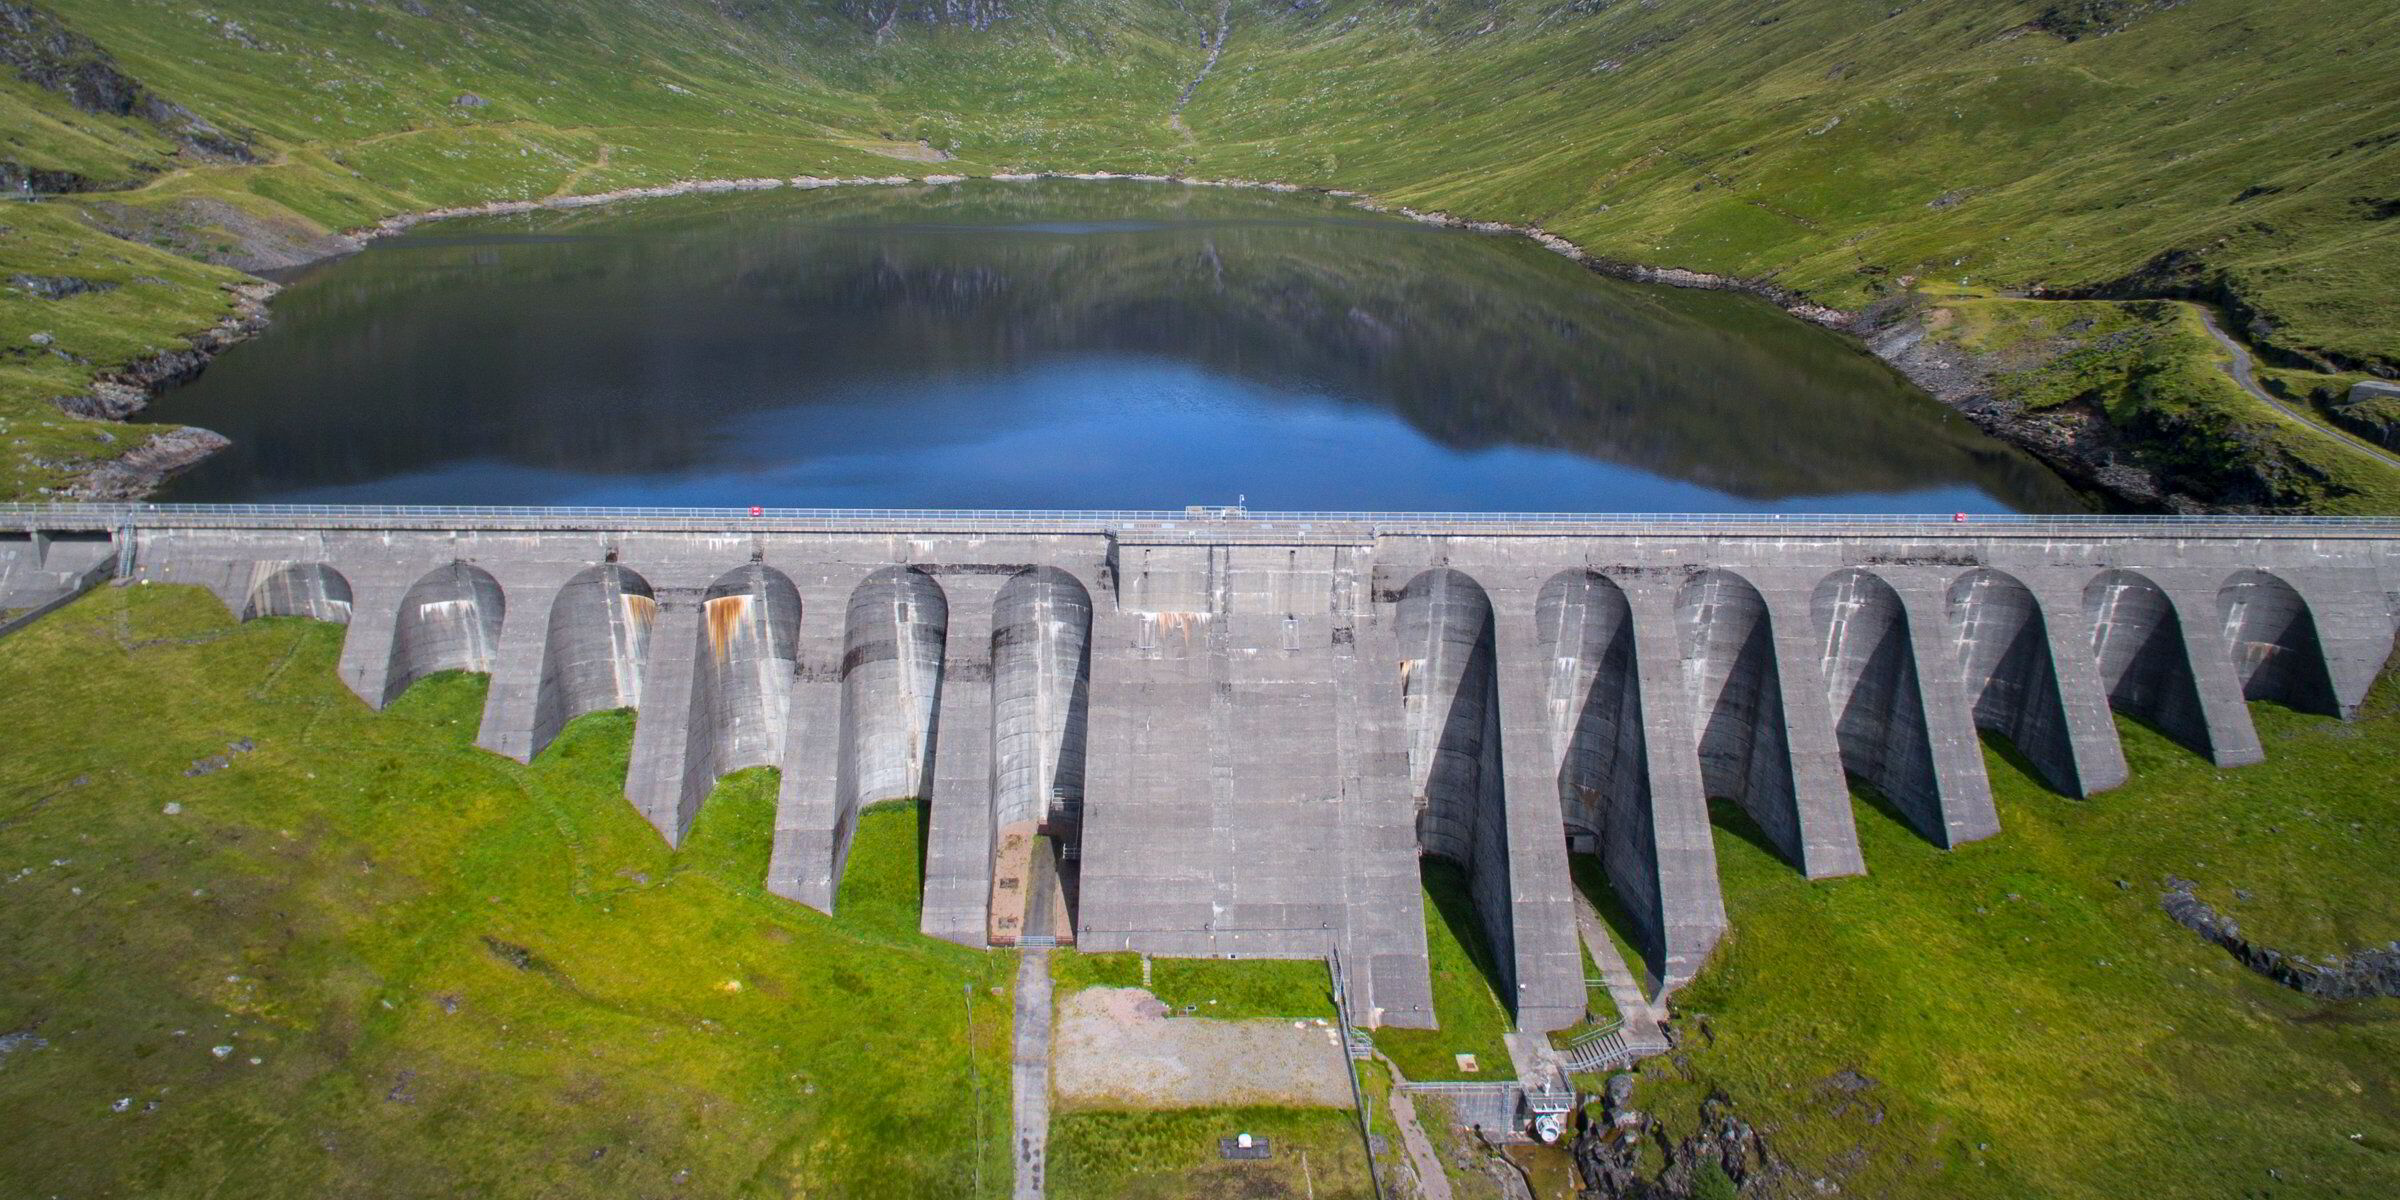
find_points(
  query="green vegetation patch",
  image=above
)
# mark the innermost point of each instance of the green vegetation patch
(2022, 1019)
(1175, 1156)
(1466, 998)
(1218, 988)
(264, 941)
(2152, 374)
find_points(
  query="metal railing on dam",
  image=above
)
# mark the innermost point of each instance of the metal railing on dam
(1197, 522)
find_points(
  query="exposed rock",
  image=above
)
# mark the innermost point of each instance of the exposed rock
(2076, 439)
(2371, 409)
(140, 470)
(214, 231)
(470, 100)
(50, 56)
(58, 287)
(2371, 972)
(18, 177)
(1608, 1153)
(120, 393)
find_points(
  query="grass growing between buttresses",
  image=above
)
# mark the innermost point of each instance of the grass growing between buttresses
(2034, 1023)
(1466, 1000)
(459, 976)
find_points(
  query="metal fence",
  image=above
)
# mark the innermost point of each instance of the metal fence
(1194, 522)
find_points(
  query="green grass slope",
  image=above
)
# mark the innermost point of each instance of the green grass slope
(430, 971)
(2035, 1025)
(2236, 149)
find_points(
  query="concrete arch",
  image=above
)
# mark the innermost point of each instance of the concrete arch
(1729, 665)
(2138, 645)
(1448, 687)
(312, 590)
(2011, 680)
(1877, 699)
(2272, 637)
(448, 621)
(596, 648)
(1585, 630)
(742, 677)
(892, 643)
(1041, 687)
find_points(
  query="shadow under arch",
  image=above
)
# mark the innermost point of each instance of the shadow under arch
(1041, 694)
(1728, 641)
(1584, 629)
(1449, 696)
(895, 630)
(742, 678)
(2011, 679)
(596, 649)
(2145, 665)
(2272, 636)
(448, 621)
(1878, 701)
(312, 590)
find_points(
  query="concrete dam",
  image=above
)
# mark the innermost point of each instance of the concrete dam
(1216, 733)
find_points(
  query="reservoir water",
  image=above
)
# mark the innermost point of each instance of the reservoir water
(1053, 345)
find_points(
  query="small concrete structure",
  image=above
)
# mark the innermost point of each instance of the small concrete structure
(1222, 734)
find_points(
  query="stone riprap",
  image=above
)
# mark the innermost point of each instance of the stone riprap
(1225, 734)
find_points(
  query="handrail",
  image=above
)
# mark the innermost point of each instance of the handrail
(1184, 523)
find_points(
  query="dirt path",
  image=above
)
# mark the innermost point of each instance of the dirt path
(599, 163)
(1029, 1080)
(1433, 1183)
(2245, 373)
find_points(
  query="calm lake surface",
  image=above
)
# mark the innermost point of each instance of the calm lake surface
(1053, 345)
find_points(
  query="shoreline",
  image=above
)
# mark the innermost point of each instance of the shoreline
(147, 466)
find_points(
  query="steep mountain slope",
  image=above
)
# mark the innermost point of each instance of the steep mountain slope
(1858, 154)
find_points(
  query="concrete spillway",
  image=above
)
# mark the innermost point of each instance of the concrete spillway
(1215, 734)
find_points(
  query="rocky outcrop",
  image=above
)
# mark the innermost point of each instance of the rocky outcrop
(58, 287)
(18, 177)
(48, 55)
(118, 394)
(2075, 439)
(881, 16)
(1725, 1149)
(2371, 972)
(140, 471)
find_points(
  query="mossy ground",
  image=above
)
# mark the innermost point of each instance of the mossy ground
(455, 975)
(1218, 989)
(2033, 1022)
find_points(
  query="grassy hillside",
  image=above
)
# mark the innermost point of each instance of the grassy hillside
(265, 942)
(2031, 1021)
(2234, 149)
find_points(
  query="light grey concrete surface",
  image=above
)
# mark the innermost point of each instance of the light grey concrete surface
(1242, 735)
(1029, 1074)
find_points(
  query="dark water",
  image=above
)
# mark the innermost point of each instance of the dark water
(1053, 345)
